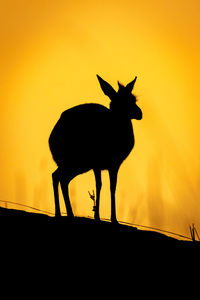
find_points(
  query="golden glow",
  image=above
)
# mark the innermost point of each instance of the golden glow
(48, 48)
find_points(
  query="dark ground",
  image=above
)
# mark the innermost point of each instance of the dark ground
(33, 227)
(91, 258)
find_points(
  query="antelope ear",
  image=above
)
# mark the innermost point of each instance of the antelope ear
(120, 85)
(131, 84)
(107, 88)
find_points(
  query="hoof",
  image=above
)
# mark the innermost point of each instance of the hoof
(70, 217)
(57, 215)
(96, 217)
(97, 220)
(114, 222)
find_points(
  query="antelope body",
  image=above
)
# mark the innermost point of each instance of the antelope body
(91, 136)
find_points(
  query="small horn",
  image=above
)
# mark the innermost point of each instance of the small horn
(131, 84)
(120, 85)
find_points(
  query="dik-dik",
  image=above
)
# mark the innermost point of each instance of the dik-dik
(93, 137)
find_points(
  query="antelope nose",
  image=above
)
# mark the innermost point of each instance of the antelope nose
(138, 114)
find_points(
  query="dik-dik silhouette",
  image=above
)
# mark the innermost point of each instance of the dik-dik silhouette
(93, 137)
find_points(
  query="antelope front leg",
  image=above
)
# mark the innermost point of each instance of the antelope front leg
(113, 182)
(97, 174)
(55, 179)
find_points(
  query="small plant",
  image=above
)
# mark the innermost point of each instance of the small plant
(92, 196)
(194, 233)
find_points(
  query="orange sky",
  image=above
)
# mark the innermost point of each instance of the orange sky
(50, 47)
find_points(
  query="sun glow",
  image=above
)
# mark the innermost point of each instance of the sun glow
(48, 48)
